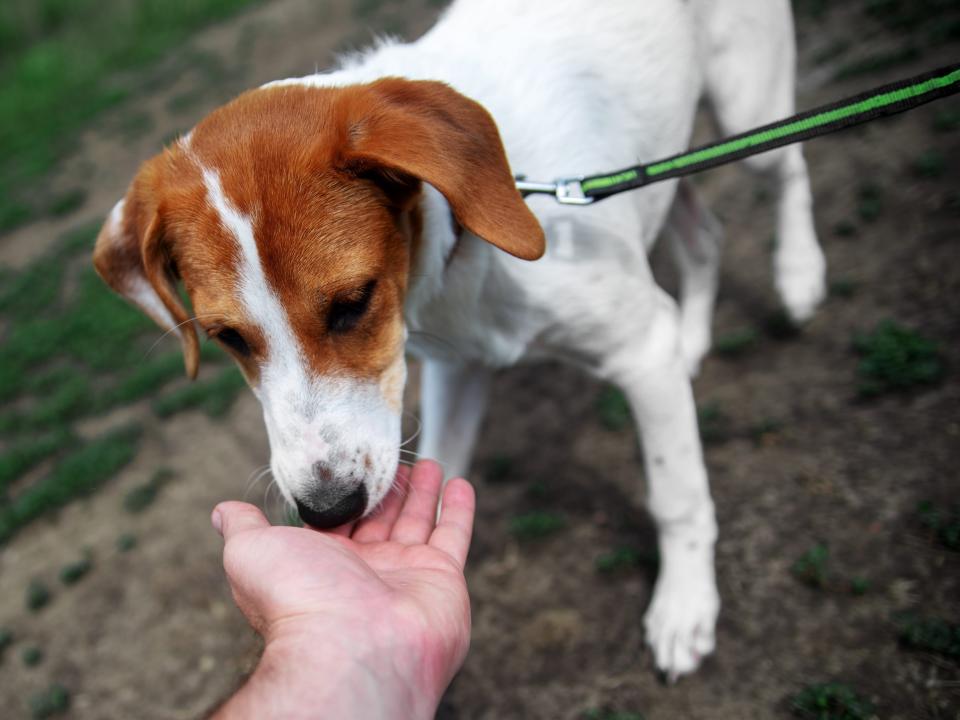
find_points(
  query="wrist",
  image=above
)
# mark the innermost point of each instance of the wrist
(341, 672)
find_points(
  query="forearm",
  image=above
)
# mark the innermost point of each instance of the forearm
(296, 681)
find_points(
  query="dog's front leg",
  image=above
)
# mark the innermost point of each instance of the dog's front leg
(453, 399)
(649, 367)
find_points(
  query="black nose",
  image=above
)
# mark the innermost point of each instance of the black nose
(346, 510)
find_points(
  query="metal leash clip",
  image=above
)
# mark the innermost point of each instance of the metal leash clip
(567, 191)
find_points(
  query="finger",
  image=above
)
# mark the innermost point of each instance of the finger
(230, 518)
(377, 527)
(453, 532)
(419, 513)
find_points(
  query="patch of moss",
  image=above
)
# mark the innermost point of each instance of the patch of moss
(126, 542)
(811, 568)
(931, 164)
(50, 702)
(870, 198)
(896, 359)
(736, 343)
(536, 525)
(38, 596)
(31, 656)
(943, 522)
(613, 409)
(830, 701)
(142, 496)
(930, 634)
(713, 423)
(72, 573)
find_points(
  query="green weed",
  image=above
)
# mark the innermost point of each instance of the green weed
(870, 198)
(844, 288)
(762, 430)
(6, 639)
(895, 359)
(54, 700)
(859, 585)
(536, 525)
(736, 343)
(126, 542)
(830, 701)
(31, 656)
(713, 423)
(845, 228)
(38, 596)
(613, 409)
(215, 396)
(942, 522)
(623, 559)
(930, 634)
(72, 573)
(930, 165)
(811, 568)
(141, 497)
(25, 455)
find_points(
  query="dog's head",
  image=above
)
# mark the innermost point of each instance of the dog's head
(291, 216)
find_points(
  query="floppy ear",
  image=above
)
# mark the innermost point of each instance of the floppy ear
(140, 269)
(427, 130)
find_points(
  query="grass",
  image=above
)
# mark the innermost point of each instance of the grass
(870, 199)
(142, 496)
(61, 64)
(31, 656)
(811, 568)
(613, 409)
(931, 164)
(536, 525)
(215, 396)
(896, 359)
(126, 542)
(598, 714)
(66, 355)
(76, 475)
(930, 634)
(623, 559)
(942, 522)
(50, 702)
(74, 572)
(6, 639)
(713, 423)
(38, 596)
(735, 343)
(830, 701)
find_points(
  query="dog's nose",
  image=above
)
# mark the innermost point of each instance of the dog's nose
(345, 510)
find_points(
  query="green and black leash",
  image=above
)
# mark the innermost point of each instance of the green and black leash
(880, 102)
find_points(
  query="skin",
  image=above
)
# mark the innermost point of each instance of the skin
(371, 620)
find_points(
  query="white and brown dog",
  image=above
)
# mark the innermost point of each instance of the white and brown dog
(323, 225)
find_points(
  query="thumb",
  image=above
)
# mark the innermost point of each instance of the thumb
(231, 518)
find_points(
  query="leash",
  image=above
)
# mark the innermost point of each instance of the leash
(880, 102)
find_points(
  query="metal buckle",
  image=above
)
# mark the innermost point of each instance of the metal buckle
(570, 192)
(567, 191)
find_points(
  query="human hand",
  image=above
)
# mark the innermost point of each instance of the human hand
(370, 620)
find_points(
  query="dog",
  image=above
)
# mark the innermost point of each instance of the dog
(322, 226)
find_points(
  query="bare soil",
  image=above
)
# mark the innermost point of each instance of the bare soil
(152, 633)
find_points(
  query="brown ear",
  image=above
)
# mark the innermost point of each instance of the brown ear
(429, 131)
(140, 269)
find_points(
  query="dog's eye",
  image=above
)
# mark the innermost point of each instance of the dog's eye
(345, 312)
(234, 340)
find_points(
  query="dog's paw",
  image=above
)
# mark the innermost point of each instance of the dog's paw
(801, 281)
(680, 625)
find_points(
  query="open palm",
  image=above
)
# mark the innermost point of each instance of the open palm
(394, 578)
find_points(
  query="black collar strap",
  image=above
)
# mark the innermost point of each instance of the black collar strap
(889, 99)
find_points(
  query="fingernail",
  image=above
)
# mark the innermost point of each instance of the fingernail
(217, 520)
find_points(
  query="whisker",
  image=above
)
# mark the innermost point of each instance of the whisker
(255, 477)
(174, 328)
(416, 433)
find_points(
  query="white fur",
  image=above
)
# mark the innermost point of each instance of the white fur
(344, 423)
(581, 88)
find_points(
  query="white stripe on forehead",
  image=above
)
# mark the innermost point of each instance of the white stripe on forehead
(260, 301)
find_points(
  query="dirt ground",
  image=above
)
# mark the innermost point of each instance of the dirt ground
(152, 633)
